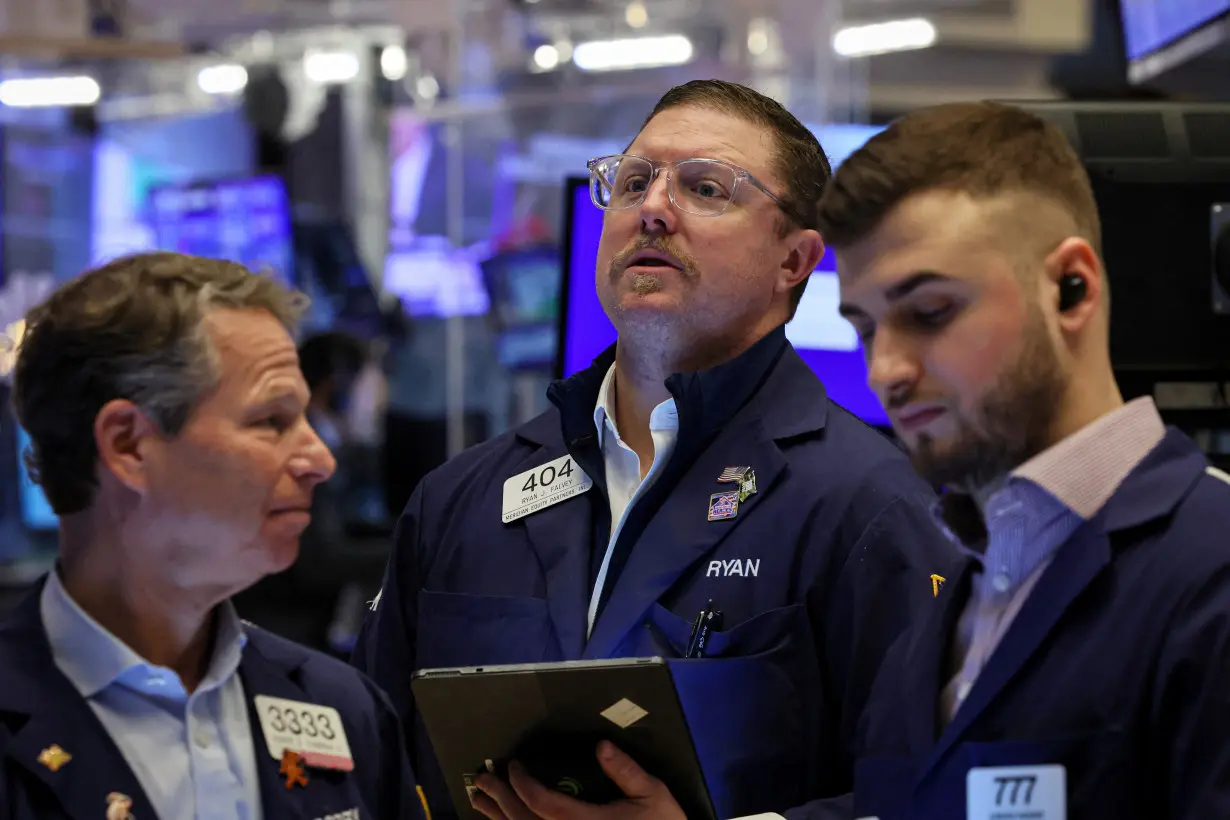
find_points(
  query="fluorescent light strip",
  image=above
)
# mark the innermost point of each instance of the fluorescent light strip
(49, 92)
(638, 52)
(331, 66)
(882, 38)
(222, 79)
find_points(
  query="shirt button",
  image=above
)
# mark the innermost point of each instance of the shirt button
(202, 739)
(1001, 582)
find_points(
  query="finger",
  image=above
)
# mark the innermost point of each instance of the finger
(548, 804)
(502, 794)
(631, 779)
(487, 807)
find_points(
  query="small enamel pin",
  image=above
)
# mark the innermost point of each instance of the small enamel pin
(723, 505)
(745, 477)
(937, 583)
(293, 769)
(53, 757)
(119, 807)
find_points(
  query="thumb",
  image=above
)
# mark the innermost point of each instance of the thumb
(631, 779)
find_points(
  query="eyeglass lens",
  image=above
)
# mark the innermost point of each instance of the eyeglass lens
(699, 186)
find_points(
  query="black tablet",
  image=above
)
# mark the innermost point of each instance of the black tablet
(551, 716)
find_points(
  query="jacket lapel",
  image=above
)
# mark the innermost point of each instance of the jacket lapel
(680, 533)
(270, 669)
(927, 659)
(560, 536)
(31, 684)
(1074, 567)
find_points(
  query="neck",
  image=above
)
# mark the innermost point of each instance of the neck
(640, 386)
(641, 371)
(135, 600)
(1089, 398)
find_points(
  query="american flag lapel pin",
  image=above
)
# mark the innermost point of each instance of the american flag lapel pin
(745, 477)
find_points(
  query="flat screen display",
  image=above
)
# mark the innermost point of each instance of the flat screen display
(824, 339)
(244, 220)
(36, 513)
(525, 287)
(1148, 25)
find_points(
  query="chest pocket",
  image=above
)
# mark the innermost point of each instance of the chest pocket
(753, 706)
(470, 630)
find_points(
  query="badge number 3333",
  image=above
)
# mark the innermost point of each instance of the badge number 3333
(310, 729)
(542, 487)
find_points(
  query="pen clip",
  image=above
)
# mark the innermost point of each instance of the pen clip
(700, 631)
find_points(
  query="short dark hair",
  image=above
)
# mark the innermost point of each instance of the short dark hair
(131, 329)
(800, 162)
(983, 149)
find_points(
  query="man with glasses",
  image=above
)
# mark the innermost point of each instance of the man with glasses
(698, 465)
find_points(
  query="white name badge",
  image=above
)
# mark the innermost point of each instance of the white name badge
(543, 487)
(1016, 793)
(313, 731)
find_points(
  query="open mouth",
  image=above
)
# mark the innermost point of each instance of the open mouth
(653, 259)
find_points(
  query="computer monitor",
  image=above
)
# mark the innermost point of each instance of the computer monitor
(524, 285)
(824, 339)
(1159, 35)
(36, 513)
(244, 220)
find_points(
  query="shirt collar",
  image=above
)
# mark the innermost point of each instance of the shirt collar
(706, 400)
(1081, 472)
(663, 418)
(93, 659)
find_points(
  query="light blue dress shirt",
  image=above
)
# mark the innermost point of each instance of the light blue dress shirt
(193, 754)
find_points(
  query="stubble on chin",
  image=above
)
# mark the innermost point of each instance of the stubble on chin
(1011, 425)
(644, 284)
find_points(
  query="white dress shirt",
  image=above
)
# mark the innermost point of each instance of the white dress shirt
(623, 467)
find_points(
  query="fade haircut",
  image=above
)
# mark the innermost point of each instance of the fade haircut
(799, 160)
(982, 149)
(131, 329)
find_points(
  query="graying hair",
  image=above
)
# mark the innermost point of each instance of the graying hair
(132, 329)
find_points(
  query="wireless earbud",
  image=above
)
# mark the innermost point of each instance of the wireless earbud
(1072, 290)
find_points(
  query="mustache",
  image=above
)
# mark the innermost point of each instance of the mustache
(652, 243)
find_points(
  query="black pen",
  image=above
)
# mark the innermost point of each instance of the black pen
(707, 620)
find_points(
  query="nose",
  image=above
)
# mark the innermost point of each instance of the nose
(658, 215)
(314, 463)
(892, 366)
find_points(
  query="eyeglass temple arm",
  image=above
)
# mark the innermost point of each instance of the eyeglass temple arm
(765, 189)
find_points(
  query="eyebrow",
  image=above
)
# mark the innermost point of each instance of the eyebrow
(898, 291)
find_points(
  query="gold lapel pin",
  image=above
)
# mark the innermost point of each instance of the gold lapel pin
(937, 583)
(53, 757)
(119, 807)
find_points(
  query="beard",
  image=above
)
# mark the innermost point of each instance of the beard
(1011, 425)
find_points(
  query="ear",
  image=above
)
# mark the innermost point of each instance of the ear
(122, 433)
(806, 249)
(1075, 256)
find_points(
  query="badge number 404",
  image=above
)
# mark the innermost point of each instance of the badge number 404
(542, 487)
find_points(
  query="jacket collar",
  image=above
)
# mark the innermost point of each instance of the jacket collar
(706, 400)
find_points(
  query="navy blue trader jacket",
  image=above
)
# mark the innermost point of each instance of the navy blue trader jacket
(1117, 668)
(40, 709)
(817, 573)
